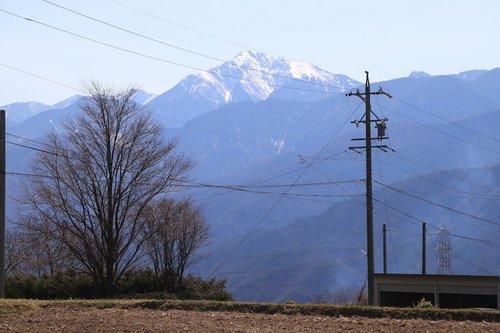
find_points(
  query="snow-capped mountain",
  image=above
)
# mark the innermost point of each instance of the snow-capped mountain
(143, 97)
(18, 112)
(21, 111)
(419, 75)
(250, 76)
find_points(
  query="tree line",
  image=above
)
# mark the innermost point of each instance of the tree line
(99, 200)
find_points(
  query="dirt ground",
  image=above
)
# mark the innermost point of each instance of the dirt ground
(74, 319)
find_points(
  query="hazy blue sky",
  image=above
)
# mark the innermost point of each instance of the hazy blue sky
(388, 38)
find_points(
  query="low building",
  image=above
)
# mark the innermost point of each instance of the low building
(445, 291)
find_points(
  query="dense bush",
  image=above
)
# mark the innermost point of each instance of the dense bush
(199, 289)
(60, 285)
(141, 283)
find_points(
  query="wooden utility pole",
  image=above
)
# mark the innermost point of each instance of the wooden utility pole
(384, 243)
(424, 245)
(381, 125)
(2, 203)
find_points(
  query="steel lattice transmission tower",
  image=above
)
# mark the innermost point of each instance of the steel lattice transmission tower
(443, 251)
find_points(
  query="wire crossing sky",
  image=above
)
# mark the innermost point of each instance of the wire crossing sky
(389, 38)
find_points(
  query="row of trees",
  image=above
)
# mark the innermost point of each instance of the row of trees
(98, 198)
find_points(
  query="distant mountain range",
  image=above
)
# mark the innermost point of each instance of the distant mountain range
(262, 120)
(250, 76)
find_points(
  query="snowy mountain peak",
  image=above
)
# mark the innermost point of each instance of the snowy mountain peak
(248, 57)
(250, 76)
(272, 64)
(142, 97)
(418, 75)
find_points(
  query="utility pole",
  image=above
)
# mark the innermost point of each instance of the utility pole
(381, 125)
(2, 203)
(424, 245)
(384, 234)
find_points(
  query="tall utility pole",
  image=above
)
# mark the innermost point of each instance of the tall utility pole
(384, 245)
(424, 248)
(2, 203)
(381, 125)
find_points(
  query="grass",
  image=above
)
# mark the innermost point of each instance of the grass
(9, 306)
(12, 306)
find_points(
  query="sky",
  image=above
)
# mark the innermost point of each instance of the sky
(389, 38)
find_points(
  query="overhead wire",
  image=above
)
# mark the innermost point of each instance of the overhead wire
(470, 238)
(211, 36)
(141, 54)
(259, 144)
(446, 186)
(457, 211)
(40, 77)
(446, 173)
(453, 123)
(75, 89)
(292, 224)
(442, 132)
(252, 230)
(24, 174)
(188, 50)
(248, 188)
(192, 184)
(387, 214)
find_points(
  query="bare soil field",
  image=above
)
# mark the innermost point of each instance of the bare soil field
(89, 318)
(157, 316)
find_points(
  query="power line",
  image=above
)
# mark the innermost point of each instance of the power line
(27, 139)
(200, 185)
(40, 77)
(192, 184)
(468, 194)
(293, 224)
(283, 270)
(33, 148)
(220, 134)
(186, 124)
(157, 58)
(187, 50)
(245, 186)
(387, 214)
(287, 254)
(438, 204)
(343, 264)
(442, 132)
(474, 263)
(475, 239)
(240, 45)
(448, 121)
(443, 172)
(247, 235)
(182, 26)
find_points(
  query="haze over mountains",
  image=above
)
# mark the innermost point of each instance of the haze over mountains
(247, 127)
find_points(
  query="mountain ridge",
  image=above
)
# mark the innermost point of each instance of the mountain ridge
(250, 76)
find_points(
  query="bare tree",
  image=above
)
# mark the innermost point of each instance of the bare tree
(95, 179)
(12, 251)
(175, 232)
(39, 251)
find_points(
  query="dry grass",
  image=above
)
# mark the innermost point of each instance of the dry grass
(11, 306)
